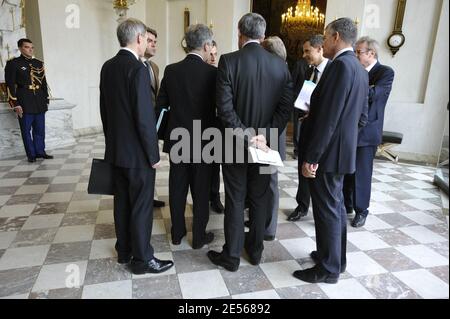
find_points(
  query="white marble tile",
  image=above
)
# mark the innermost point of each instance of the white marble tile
(9, 163)
(17, 297)
(158, 227)
(6, 238)
(266, 294)
(374, 223)
(427, 285)
(387, 171)
(346, 289)
(288, 204)
(421, 177)
(102, 249)
(421, 184)
(377, 208)
(9, 182)
(422, 234)
(381, 197)
(70, 234)
(105, 217)
(43, 221)
(385, 178)
(162, 175)
(424, 256)
(73, 166)
(66, 180)
(32, 189)
(17, 210)
(300, 247)
(56, 198)
(50, 173)
(307, 226)
(202, 285)
(421, 218)
(162, 191)
(58, 276)
(25, 168)
(215, 222)
(4, 199)
(359, 264)
(291, 191)
(420, 193)
(445, 200)
(83, 206)
(282, 177)
(420, 204)
(383, 187)
(109, 290)
(366, 241)
(82, 187)
(280, 274)
(23, 257)
(288, 170)
(420, 169)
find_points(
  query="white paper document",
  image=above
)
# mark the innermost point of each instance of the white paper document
(304, 98)
(261, 157)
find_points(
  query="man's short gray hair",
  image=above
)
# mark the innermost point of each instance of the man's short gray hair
(346, 29)
(197, 36)
(253, 26)
(372, 45)
(316, 41)
(129, 30)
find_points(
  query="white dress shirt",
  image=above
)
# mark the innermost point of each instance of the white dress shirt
(251, 41)
(321, 67)
(370, 67)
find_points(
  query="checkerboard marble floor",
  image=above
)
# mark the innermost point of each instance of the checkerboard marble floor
(53, 235)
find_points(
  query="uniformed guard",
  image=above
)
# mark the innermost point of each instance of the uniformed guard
(28, 97)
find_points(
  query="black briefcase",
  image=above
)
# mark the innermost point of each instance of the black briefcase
(101, 180)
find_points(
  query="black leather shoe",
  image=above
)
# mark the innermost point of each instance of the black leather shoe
(209, 237)
(154, 266)
(123, 260)
(220, 260)
(359, 221)
(315, 257)
(216, 206)
(31, 160)
(177, 241)
(45, 156)
(158, 204)
(296, 215)
(316, 275)
(269, 238)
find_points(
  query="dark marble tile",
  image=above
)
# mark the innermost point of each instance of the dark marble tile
(24, 199)
(289, 231)
(302, 292)
(70, 172)
(50, 209)
(75, 161)
(79, 219)
(403, 177)
(84, 179)
(160, 243)
(61, 188)
(402, 185)
(192, 260)
(400, 195)
(2, 251)
(441, 248)
(49, 167)
(440, 272)
(398, 206)
(168, 288)
(106, 204)
(38, 181)
(8, 190)
(247, 279)
(18, 281)
(387, 286)
(105, 270)
(438, 214)
(65, 293)
(435, 201)
(35, 237)
(274, 251)
(441, 229)
(104, 231)
(396, 220)
(5, 168)
(81, 196)
(18, 175)
(392, 260)
(68, 252)
(12, 223)
(394, 237)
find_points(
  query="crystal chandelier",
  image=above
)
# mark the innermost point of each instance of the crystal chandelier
(304, 19)
(121, 7)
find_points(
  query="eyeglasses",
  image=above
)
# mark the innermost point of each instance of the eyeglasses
(359, 52)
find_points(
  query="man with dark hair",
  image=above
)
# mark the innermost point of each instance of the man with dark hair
(313, 55)
(338, 109)
(189, 101)
(129, 125)
(254, 91)
(358, 187)
(28, 97)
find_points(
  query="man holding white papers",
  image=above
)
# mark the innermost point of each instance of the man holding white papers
(313, 54)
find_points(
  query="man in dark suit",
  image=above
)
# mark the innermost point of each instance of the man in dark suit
(338, 108)
(188, 88)
(128, 119)
(153, 70)
(358, 187)
(254, 90)
(313, 55)
(298, 78)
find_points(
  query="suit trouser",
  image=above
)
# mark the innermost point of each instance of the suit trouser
(297, 130)
(358, 186)
(133, 211)
(273, 206)
(303, 194)
(32, 127)
(215, 182)
(241, 181)
(197, 177)
(330, 220)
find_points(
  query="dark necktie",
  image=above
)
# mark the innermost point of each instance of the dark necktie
(316, 75)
